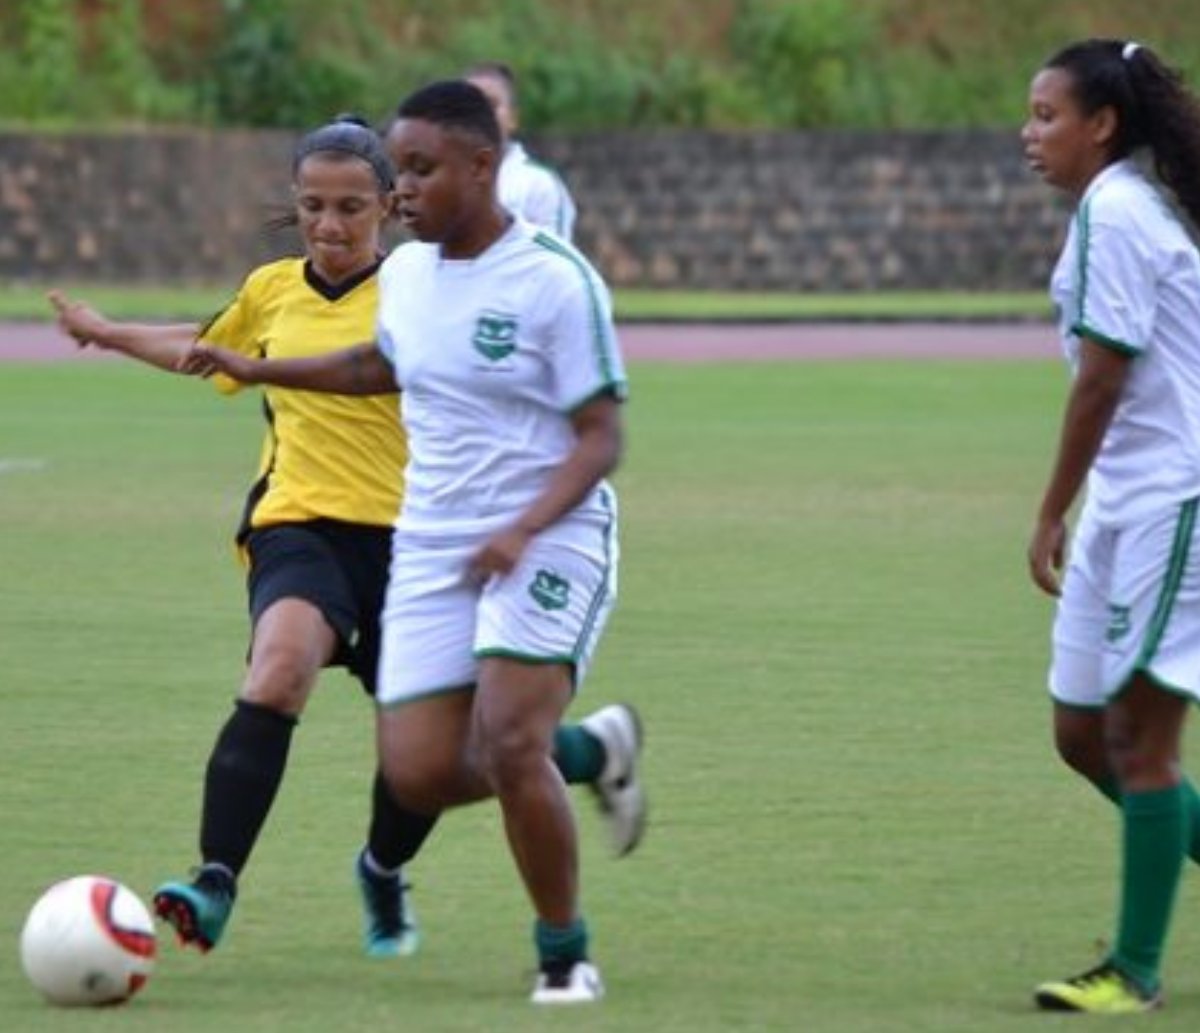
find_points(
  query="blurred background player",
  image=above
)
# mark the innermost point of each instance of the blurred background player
(526, 187)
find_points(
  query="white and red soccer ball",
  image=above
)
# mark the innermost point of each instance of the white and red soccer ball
(88, 941)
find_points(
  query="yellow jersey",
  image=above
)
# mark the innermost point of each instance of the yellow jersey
(324, 456)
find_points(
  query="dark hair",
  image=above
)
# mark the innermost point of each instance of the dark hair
(1154, 108)
(454, 104)
(496, 70)
(350, 135)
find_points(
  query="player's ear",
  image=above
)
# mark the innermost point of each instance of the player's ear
(485, 161)
(1105, 124)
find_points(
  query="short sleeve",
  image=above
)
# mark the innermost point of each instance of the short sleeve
(1116, 287)
(234, 327)
(586, 358)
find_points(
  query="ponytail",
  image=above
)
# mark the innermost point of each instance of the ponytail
(1155, 109)
(1171, 115)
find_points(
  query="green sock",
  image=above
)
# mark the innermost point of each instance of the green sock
(1191, 800)
(579, 754)
(1155, 838)
(561, 943)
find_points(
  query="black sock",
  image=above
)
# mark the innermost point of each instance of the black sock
(243, 775)
(396, 834)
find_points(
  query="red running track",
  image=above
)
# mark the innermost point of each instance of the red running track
(718, 342)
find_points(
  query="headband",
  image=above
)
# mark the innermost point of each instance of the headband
(353, 138)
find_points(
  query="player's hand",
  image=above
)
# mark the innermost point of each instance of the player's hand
(78, 320)
(500, 553)
(1047, 554)
(203, 360)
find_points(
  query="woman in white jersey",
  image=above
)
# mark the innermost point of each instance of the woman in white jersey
(500, 338)
(1126, 640)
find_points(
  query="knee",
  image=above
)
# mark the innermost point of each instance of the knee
(424, 780)
(1079, 737)
(1133, 759)
(423, 790)
(1083, 751)
(280, 679)
(507, 756)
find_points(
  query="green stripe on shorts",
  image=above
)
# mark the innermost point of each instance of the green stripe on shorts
(1180, 549)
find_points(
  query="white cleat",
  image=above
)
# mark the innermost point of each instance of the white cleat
(576, 983)
(619, 789)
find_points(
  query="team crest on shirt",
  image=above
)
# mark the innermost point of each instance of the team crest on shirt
(550, 591)
(495, 336)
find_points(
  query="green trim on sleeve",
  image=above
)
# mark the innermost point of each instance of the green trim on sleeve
(1084, 223)
(1083, 330)
(618, 389)
(601, 336)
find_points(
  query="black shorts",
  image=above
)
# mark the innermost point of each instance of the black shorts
(342, 569)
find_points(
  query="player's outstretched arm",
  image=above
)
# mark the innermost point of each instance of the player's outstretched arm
(359, 370)
(161, 346)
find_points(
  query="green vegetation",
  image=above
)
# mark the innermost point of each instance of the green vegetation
(155, 303)
(584, 65)
(857, 821)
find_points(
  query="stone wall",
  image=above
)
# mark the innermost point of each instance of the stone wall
(827, 211)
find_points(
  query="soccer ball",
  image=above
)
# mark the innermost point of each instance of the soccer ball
(88, 940)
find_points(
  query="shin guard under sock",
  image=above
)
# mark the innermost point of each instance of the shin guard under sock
(396, 834)
(243, 775)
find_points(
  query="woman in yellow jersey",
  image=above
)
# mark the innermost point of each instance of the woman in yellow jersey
(316, 537)
(316, 528)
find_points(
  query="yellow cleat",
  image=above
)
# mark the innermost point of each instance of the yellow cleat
(1103, 990)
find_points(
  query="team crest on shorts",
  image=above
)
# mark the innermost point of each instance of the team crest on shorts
(495, 335)
(1119, 623)
(550, 591)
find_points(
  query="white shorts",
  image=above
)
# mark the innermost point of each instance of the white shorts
(552, 608)
(1130, 603)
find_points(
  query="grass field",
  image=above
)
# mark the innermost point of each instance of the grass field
(131, 302)
(857, 822)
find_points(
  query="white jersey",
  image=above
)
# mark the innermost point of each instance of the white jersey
(1129, 278)
(492, 355)
(535, 192)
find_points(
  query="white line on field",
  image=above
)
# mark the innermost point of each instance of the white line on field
(21, 465)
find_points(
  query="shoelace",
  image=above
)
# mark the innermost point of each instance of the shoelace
(387, 904)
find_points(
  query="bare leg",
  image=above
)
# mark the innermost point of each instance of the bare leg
(291, 644)
(517, 708)
(1143, 729)
(1079, 736)
(424, 754)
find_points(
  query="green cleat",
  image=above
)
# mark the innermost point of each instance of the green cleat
(198, 910)
(1103, 990)
(389, 925)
